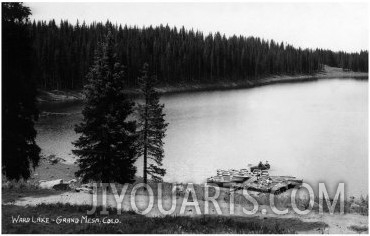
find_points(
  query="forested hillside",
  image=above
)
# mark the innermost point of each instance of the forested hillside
(64, 53)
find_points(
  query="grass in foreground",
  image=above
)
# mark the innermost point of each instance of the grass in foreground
(359, 229)
(13, 190)
(130, 222)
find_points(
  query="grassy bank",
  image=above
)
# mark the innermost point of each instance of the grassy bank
(18, 191)
(18, 198)
(130, 222)
(327, 73)
(13, 191)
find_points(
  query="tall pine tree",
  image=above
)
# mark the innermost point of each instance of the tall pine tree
(20, 150)
(106, 146)
(152, 128)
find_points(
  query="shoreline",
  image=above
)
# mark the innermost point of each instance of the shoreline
(45, 199)
(328, 73)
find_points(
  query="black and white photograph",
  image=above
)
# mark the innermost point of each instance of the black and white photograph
(185, 117)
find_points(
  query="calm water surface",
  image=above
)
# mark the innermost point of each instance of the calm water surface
(314, 130)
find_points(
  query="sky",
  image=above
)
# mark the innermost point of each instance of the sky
(332, 25)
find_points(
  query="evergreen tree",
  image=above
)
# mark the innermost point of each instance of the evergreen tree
(20, 150)
(65, 52)
(152, 128)
(106, 146)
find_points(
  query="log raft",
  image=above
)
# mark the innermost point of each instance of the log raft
(256, 182)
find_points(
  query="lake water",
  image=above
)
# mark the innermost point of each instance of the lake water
(317, 131)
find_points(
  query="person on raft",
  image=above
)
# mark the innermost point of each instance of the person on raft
(260, 165)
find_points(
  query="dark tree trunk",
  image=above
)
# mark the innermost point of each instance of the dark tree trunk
(145, 141)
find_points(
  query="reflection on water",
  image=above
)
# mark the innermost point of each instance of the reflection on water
(315, 130)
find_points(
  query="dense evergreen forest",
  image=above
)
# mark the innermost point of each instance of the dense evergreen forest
(65, 52)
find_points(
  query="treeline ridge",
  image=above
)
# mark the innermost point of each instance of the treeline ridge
(63, 54)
